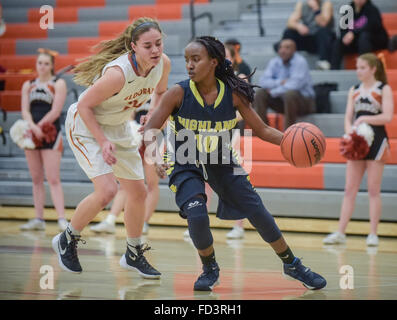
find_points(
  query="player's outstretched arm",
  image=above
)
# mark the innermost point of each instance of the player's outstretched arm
(262, 130)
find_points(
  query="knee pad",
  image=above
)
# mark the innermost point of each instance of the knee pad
(264, 223)
(198, 222)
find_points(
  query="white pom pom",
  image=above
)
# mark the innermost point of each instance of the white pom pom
(19, 134)
(366, 131)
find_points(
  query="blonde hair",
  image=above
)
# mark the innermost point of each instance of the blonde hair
(86, 71)
(374, 61)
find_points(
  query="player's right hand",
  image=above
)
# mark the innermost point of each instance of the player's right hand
(108, 149)
(161, 170)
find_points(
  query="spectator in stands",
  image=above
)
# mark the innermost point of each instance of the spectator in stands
(42, 102)
(368, 33)
(370, 102)
(240, 66)
(311, 26)
(286, 86)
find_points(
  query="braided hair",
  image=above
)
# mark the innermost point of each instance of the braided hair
(224, 70)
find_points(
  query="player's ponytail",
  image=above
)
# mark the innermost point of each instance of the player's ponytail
(86, 71)
(224, 70)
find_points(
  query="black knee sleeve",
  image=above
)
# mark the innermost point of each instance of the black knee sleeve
(198, 222)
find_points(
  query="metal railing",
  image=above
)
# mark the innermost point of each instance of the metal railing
(194, 18)
(259, 13)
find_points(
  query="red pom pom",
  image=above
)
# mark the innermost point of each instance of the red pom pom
(50, 132)
(354, 147)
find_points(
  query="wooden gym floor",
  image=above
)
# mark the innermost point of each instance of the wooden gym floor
(249, 268)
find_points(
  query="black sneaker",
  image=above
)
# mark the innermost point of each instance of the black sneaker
(138, 262)
(209, 278)
(65, 246)
(297, 271)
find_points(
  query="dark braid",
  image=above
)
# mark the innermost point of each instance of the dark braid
(224, 70)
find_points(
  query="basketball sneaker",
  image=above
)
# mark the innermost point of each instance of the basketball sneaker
(65, 246)
(236, 233)
(209, 278)
(33, 224)
(335, 238)
(104, 226)
(372, 240)
(297, 271)
(137, 261)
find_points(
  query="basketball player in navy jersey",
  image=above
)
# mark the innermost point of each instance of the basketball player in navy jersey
(204, 107)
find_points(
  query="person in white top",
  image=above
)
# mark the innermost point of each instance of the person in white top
(369, 102)
(124, 74)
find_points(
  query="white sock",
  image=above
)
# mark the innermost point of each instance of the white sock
(132, 243)
(73, 230)
(111, 219)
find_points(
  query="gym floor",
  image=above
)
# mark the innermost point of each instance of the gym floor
(249, 268)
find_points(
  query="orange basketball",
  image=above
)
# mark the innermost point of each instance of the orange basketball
(303, 145)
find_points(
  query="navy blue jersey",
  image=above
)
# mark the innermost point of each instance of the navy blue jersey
(203, 132)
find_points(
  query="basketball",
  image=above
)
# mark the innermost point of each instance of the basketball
(303, 145)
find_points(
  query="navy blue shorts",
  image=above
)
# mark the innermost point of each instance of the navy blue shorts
(237, 197)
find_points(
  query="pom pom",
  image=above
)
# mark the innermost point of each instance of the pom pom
(21, 134)
(353, 146)
(366, 131)
(49, 131)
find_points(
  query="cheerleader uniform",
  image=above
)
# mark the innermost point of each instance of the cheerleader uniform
(369, 103)
(41, 97)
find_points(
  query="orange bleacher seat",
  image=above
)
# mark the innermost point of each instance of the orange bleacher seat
(263, 151)
(17, 63)
(392, 79)
(60, 15)
(24, 31)
(391, 128)
(179, 1)
(10, 100)
(284, 175)
(391, 59)
(7, 46)
(83, 45)
(389, 21)
(80, 3)
(171, 11)
(111, 28)
(14, 81)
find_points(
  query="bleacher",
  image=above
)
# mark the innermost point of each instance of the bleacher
(287, 191)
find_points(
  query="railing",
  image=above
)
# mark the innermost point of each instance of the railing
(259, 13)
(194, 18)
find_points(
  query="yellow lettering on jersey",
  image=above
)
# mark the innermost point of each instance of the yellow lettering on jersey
(193, 125)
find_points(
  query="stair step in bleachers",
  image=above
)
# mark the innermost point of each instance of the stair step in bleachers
(280, 202)
(286, 191)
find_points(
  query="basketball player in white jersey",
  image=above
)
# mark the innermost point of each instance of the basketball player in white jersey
(123, 75)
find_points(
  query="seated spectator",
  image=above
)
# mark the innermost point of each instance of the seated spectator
(286, 86)
(311, 26)
(240, 66)
(368, 33)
